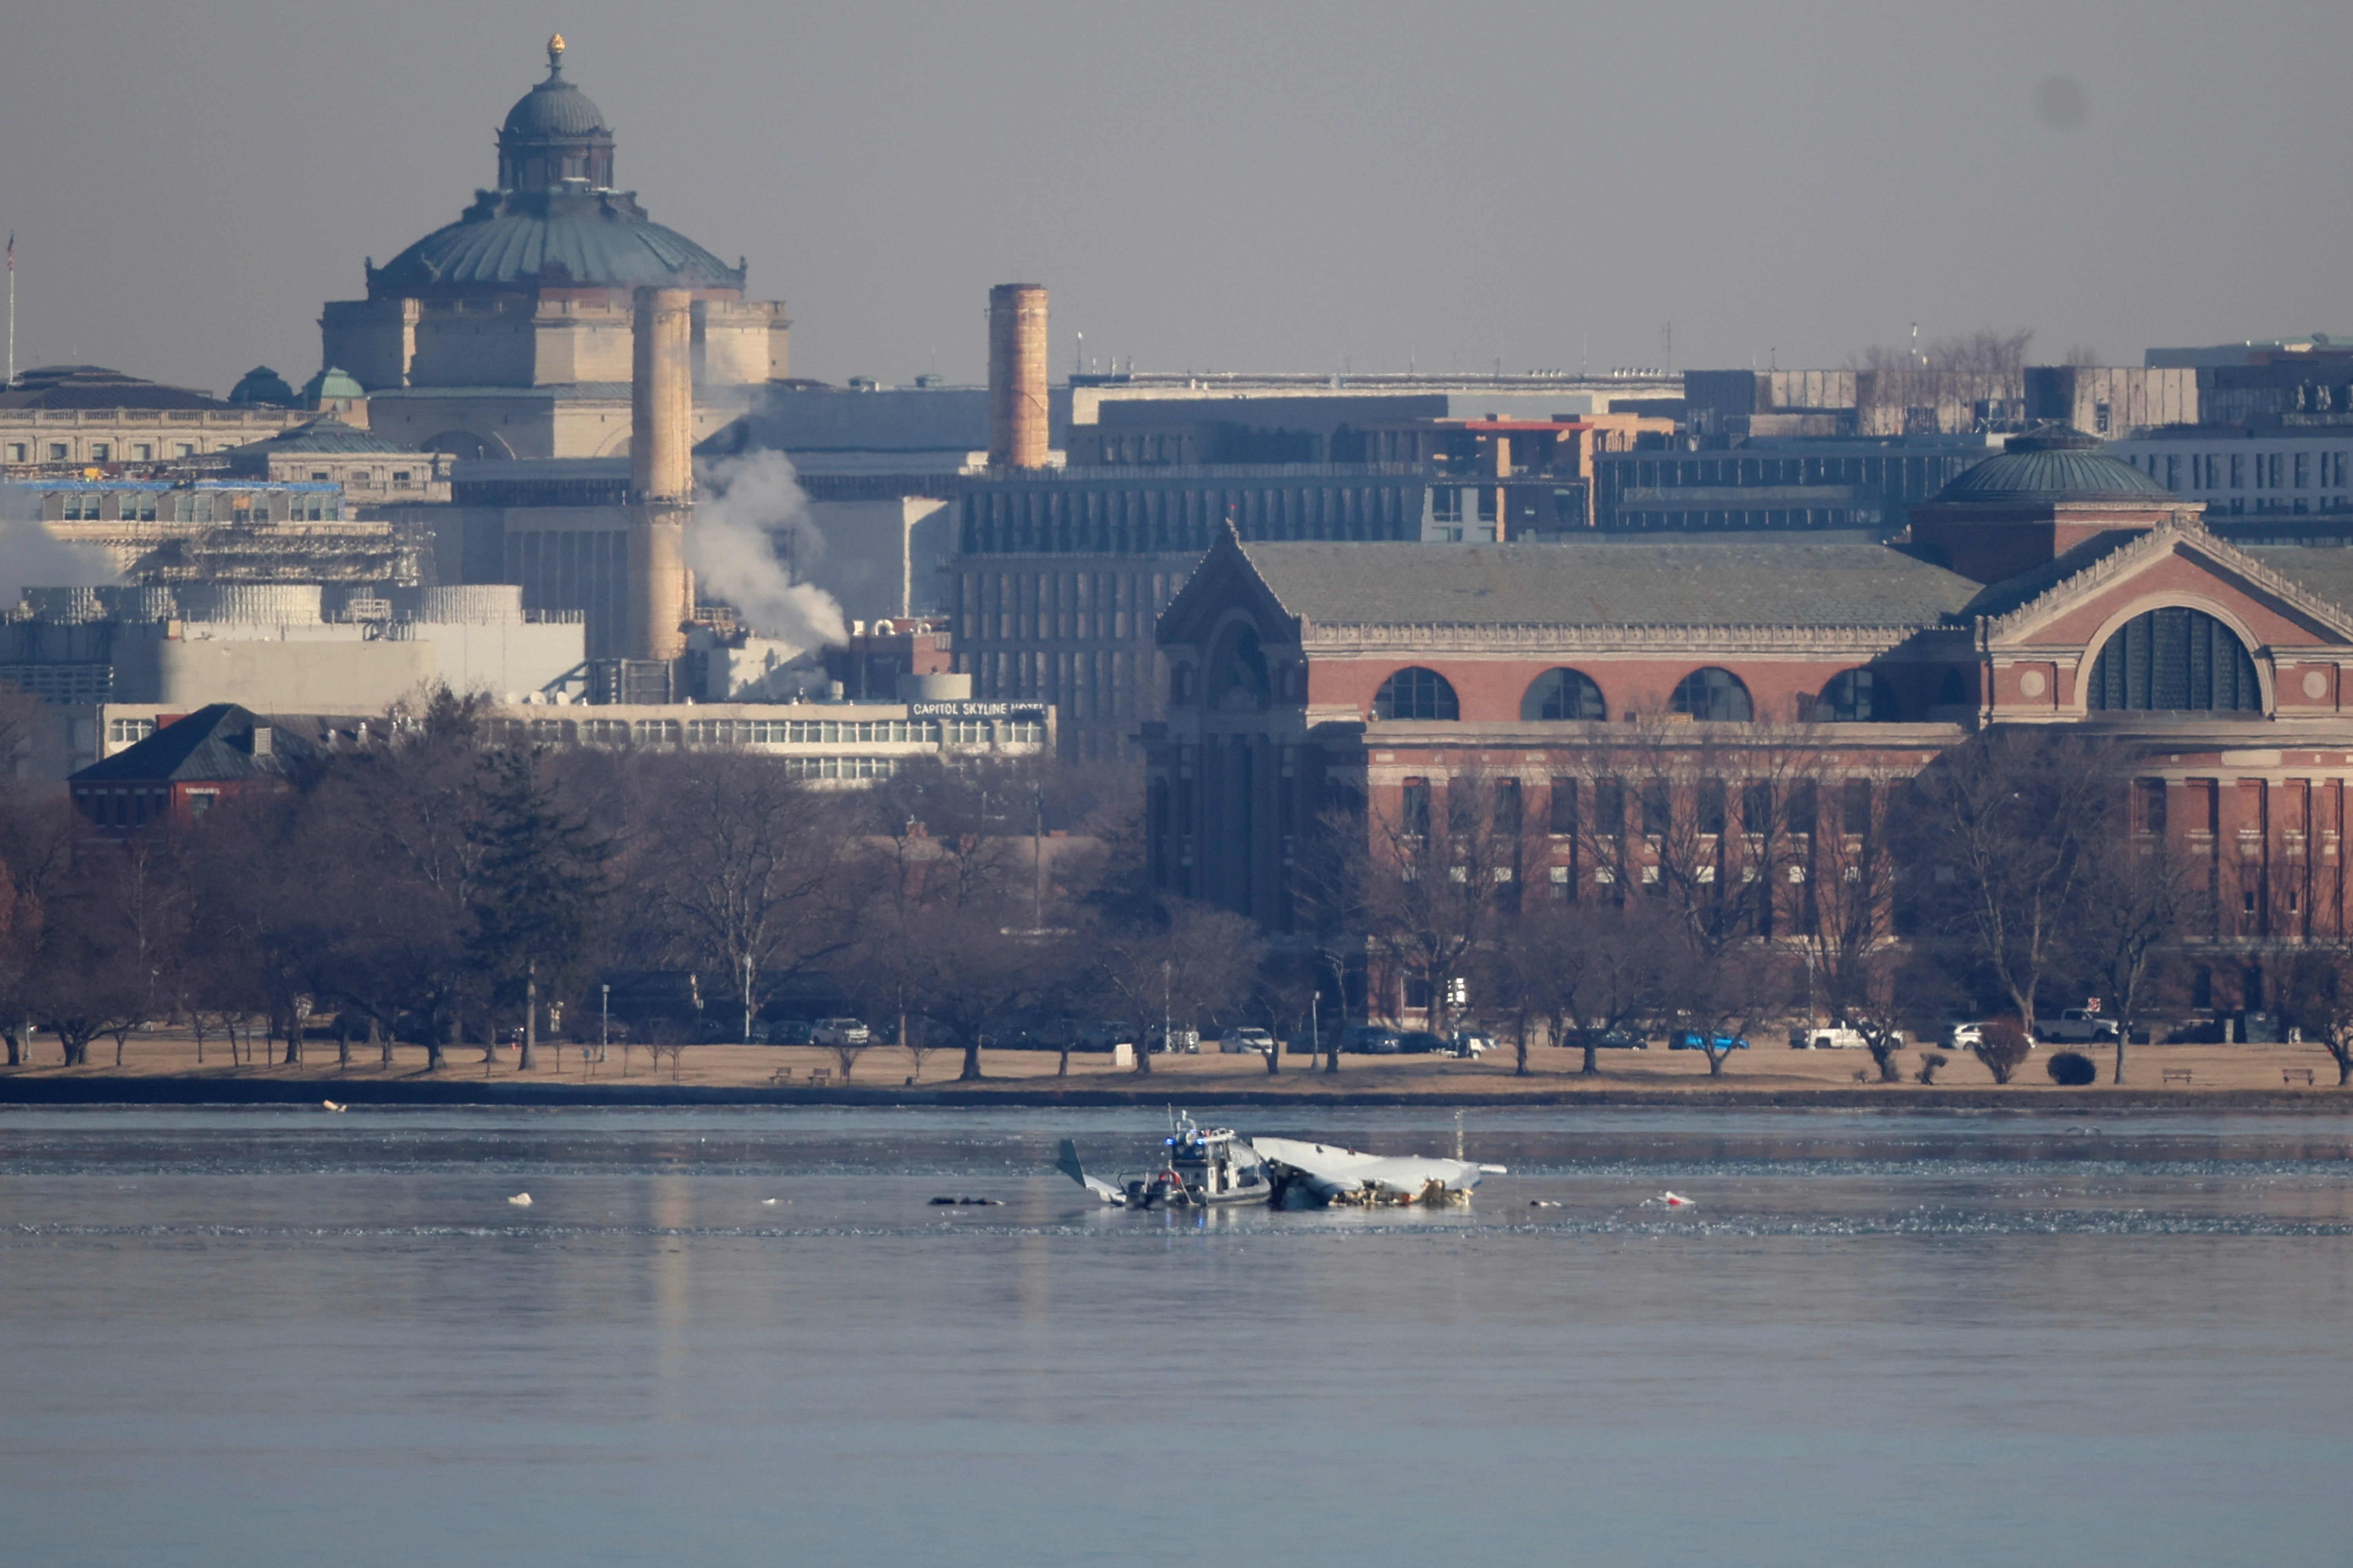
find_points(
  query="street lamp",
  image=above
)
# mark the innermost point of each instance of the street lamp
(604, 1021)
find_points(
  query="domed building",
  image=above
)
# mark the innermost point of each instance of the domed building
(1590, 686)
(508, 332)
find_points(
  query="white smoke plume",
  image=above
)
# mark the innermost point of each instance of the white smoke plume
(31, 557)
(751, 533)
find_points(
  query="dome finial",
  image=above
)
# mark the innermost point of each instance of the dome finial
(556, 55)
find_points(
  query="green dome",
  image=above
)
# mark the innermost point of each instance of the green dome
(331, 383)
(556, 108)
(261, 387)
(2051, 465)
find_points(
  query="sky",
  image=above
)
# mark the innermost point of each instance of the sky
(1288, 185)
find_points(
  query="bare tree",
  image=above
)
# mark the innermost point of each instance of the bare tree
(1585, 971)
(1179, 959)
(2000, 838)
(751, 869)
(2137, 895)
(1946, 378)
(2315, 988)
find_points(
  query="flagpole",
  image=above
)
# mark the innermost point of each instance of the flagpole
(12, 308)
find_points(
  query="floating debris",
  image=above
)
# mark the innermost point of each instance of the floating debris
(1546, 1203)
(968, 1203)
(1669, 1201)
(330, 1105)
(521, 1200)
(767, 1202)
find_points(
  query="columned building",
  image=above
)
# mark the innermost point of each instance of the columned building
(508, 333)
(2052, 585)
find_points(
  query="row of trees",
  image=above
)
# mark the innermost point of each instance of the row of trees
(435, 889)
(1685, 883)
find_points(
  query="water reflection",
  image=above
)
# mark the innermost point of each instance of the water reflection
(249, 1336)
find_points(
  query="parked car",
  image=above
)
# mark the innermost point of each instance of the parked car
(1831, 1038)
(832, 1032)
(2076, 1024)
(1693, 1040)
(1962, 1036)
(789, 1032)
(1605, 1040)
(1243, 1042)
(1421, 1042)
(1372, 1040)
(1469, 1043)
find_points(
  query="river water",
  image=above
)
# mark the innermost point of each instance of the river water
(259, 1337)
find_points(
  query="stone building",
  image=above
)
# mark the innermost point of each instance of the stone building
(509, 333)
(2051, 585)
(84, 415)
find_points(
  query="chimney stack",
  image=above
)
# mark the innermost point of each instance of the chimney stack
(661, 472)
(1017, 432)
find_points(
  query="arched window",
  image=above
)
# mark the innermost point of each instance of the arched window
(1563, 694)
(2174, 661)
(1416, 693)
(1856, 697)
(1712, 694)
(1238, 675)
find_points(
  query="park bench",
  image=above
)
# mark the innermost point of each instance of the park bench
(820, 1075)
(2289, 1075)
(782, 1075)
(2176, 1075)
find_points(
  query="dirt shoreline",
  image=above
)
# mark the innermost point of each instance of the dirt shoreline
(162, 1068)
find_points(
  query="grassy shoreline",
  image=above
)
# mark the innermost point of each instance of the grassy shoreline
(161, 1069)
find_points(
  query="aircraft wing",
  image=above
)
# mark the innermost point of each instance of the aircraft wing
(1069, 1165)
(1330, 1172)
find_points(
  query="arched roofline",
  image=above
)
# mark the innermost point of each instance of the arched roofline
(2258, 651)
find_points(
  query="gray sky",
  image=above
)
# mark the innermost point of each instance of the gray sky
(1223, 185)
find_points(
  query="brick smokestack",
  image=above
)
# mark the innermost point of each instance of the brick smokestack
(661, 478)
(1017, 376)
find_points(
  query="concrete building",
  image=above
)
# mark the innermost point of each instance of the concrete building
(1773, 483)
(369, 467)
(1061, 573)
(2052, 585)
(836, 743)
(2111, 400)
(511, 331)
(283, 647)
(2238, 472)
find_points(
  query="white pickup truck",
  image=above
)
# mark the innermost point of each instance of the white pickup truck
(2076, 1024)
(1831, 1038)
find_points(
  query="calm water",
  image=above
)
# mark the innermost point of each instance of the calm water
(264, 1337)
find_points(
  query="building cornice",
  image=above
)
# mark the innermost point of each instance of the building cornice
(1535, 637)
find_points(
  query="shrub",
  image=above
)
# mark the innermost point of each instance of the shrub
(2073, 1070)
(1930, 1063)
(2003, 1047)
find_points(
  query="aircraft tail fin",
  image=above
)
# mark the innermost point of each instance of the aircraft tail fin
(1068, 1164)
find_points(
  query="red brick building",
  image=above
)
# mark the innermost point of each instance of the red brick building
(188, 765)
(2051, 585)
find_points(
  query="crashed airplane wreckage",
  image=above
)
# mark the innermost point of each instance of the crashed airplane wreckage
(1217, 1166)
